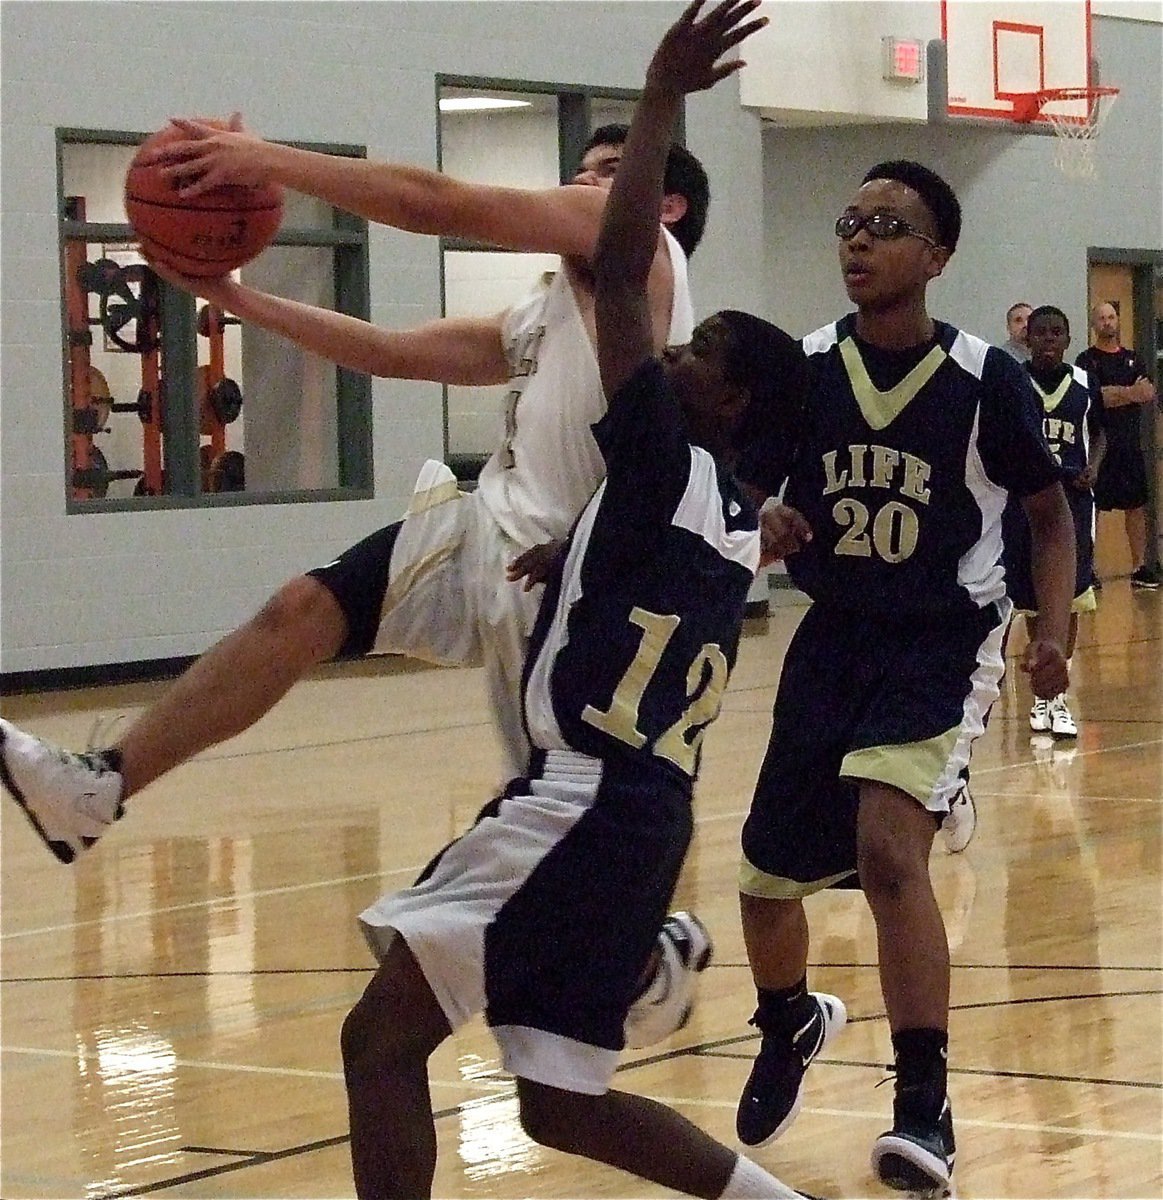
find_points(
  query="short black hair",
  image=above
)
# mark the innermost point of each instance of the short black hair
(772, 365)
(1048, 310)
(938, 197)
(684, 177)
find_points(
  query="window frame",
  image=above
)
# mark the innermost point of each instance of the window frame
(181, 423)
(575, 103)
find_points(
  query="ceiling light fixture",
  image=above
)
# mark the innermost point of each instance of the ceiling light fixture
(478, 103)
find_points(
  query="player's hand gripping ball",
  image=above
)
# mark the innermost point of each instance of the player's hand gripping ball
(199, 236)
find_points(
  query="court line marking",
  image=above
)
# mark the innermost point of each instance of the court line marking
(486, 1086)
(232, 899)
(504, 1090)
(412, 870)
(339, 881)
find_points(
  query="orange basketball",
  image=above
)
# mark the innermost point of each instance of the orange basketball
(202, 236)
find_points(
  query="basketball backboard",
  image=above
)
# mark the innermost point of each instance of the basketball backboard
(823, 62)
(999, 50)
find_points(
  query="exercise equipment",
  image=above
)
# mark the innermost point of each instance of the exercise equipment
(97, 476)
(127, 304)
(220, 396)
(128, 313)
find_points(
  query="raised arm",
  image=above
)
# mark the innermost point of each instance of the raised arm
(464, 350)
(687, 60)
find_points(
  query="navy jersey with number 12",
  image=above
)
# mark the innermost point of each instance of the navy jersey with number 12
(634, 643)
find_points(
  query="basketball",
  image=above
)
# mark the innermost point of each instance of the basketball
(200, 236)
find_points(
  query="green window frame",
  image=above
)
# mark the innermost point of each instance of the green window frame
(181, 420)
(580, 109)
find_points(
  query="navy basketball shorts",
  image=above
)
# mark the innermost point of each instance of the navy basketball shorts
(1122, 474)
(892, 701)
(545, 913)
(1018, 563)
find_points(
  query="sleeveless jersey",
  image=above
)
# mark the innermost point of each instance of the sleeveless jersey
(539, 480)
(635, 641)
(904, 480)
(1068, 412)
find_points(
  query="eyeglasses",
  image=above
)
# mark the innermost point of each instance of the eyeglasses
(880, 225)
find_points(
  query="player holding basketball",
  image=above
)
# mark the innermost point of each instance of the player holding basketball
(542, 914)
(1071, 406)
(916, 433)
(372, 598)
(530, 490)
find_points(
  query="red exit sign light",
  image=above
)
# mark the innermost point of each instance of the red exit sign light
(904, 59)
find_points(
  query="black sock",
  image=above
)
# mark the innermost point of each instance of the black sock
(783, 1010)
(111, 757)
(921, 1071)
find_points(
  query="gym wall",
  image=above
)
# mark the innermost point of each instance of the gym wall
(84, 591)
(1026, 226)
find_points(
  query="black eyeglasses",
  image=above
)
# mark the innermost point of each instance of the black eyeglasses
(880, 225)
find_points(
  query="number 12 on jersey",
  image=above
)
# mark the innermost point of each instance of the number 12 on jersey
(621, 719)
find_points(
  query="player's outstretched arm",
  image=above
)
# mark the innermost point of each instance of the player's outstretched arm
(464, 350)
(687, 60)
(560, 220)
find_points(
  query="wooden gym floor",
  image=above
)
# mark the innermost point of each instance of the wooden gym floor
(172, 1004)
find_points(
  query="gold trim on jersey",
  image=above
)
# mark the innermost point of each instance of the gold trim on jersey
(1051, 400)
(754, 882)
(879, 408)
(406, 580)
(914, 767)
(433, 497)
(1085, 602)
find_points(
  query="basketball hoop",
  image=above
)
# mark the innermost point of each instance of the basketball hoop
(1074, 135)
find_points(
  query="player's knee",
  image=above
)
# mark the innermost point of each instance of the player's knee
(372, 1043)
(552, 1117)
(305, 618)
(887, 869)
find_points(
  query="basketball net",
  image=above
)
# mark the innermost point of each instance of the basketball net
(1074, 136)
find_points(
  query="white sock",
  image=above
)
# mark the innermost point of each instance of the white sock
(749, 1181)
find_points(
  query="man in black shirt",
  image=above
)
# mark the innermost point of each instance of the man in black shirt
(1121, 472)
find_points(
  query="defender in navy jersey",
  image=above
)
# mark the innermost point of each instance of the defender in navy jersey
(544, 914)
(1071, 415)
(915, 434)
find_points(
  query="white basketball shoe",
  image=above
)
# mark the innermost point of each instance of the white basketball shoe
(666, 1003)
(70, 799)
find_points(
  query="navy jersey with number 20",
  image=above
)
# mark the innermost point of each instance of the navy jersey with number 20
(904, 469)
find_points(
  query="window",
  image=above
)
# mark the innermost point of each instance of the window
(167, 402)
(511, 135)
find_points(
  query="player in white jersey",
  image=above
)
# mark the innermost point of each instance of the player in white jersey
(549, 464)
(373, 596)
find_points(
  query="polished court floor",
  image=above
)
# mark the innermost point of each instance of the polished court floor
(171, 1004)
